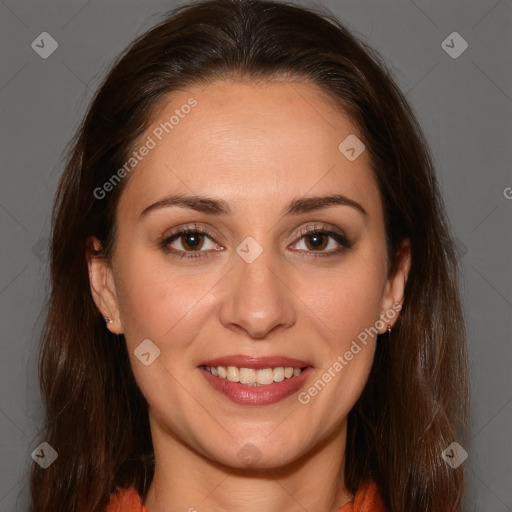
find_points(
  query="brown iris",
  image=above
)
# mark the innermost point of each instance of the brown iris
(317, 244)
(192, 241)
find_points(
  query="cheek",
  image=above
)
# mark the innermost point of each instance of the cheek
(347, 300)
(153, 300)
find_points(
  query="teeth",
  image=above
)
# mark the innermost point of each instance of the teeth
(233, 374)
(278, 374)
(249, 376)
(265, 376)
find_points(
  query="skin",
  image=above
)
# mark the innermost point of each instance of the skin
(257, 147)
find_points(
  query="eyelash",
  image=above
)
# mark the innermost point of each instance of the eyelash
(308, 231)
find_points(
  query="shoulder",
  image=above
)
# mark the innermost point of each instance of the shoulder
(124, 500)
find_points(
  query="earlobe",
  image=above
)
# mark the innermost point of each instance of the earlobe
(102, 286)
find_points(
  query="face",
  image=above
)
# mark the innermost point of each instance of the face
(256, 278)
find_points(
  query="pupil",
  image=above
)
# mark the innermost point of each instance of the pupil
(192, 239)
(316, 241)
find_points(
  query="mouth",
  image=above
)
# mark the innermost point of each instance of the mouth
(256, 381)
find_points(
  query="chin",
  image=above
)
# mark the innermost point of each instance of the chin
(254, 456)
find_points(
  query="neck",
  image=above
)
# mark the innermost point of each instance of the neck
(185, 480)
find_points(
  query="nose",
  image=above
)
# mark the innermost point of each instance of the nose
(258, 298)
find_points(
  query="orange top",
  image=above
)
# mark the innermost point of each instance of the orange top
(367, 499)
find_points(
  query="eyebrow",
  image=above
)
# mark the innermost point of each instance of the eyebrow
(214, 206)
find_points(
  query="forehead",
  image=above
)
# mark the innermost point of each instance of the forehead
(248, 143)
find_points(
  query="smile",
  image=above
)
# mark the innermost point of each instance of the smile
(251, 377)
(256, 387)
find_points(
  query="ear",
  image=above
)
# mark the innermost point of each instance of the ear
(102, 285)
(393, 296)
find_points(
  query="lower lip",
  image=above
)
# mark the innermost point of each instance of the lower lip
(244, 394)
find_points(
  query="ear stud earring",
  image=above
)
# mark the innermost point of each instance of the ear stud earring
(109, 320)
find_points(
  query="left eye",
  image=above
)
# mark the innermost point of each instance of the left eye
(319, 240)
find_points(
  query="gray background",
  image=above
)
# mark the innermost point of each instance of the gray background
(464, 106)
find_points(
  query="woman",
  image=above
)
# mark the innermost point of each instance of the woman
(254, 291)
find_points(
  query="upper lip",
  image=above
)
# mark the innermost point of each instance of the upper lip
(256, 363)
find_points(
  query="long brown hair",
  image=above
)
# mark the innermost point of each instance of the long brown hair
(415, 402)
